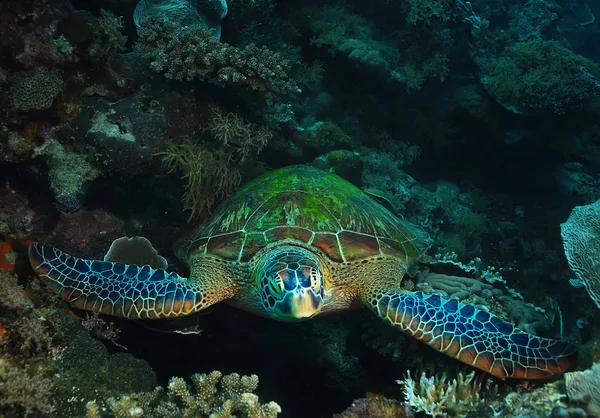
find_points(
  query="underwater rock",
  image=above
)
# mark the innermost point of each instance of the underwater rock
(123, 135)
(88, 233)
(28, 32)
(86, 371)
(17, 216)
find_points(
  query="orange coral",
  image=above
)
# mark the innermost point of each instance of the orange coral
(7, 255)
(6, 259)
(3, 333)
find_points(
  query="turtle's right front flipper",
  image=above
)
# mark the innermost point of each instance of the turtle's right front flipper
(473, 336)
(119, 289)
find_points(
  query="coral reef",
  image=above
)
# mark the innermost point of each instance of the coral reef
(209, 176)
(88, 233)
(213, 395)
(375, 407)
(70, 173)
(541, 76)
(440, 397)
(582, 389)
(212, 168)
(581, 239)
(36, 90)
(476, 120)
(49, 362)
(547, 401)
(206, 14)
(191, 53)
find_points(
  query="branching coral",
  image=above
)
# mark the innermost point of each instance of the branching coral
(344, 32)
(233, 130)
(108, 39)
(26, 326)
(192, 53)
(212, 170)
(211, 395)
(25, 387)
(439, 397)
(208, 174)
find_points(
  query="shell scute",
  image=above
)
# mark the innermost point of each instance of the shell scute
(328, 243)
(289, 232)
(358, 246)
(254, 242)
(227, 246)
(309, 206)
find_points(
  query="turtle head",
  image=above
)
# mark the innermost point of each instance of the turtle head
(291, 282)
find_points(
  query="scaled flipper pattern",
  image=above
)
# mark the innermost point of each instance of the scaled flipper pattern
(117, 289)
(475, 337)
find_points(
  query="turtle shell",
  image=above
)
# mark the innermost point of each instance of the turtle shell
(304, 204)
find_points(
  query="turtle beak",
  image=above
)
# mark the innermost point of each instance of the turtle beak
(299, 304)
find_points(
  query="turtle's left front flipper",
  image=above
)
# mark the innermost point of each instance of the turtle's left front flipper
(125, 290)
(473, 336)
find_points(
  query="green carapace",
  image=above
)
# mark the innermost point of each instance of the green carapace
(293, 244)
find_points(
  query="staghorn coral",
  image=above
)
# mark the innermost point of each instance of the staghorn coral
(211, 395)
(192, 53)
(439, 397)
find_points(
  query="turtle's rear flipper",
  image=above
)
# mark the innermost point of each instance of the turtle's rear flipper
(117, 289)
(473, 336)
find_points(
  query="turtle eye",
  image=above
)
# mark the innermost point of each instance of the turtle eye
(273, 285)
(316, 282)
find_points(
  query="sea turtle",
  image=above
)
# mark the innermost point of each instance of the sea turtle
(295, 243)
